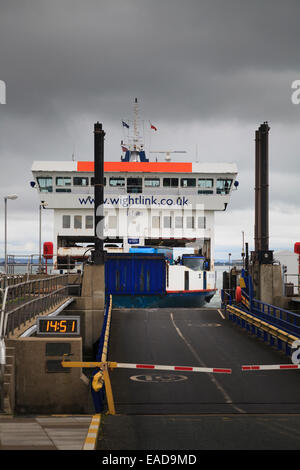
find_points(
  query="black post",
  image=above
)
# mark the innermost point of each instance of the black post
(247, 258)
(264, 196)
(98, 256)
(257, 193)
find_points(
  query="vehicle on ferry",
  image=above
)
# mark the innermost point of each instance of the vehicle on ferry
(164, 206)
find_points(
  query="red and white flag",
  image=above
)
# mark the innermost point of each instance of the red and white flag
(153, 127)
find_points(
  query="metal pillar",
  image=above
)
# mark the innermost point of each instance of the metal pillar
(98, 255)
(261, 253)
(5, 235)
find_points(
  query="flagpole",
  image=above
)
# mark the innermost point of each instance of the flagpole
(150, 140)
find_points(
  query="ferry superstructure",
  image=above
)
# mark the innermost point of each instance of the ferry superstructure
(173, 203)
(146, 204)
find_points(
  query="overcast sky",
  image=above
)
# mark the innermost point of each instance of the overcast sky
(206, 74)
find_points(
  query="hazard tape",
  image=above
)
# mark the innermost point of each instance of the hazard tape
(174, 368)
(119, 365)
(272, 367)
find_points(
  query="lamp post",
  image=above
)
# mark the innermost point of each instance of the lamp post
(43, 204)
(12, 197)
(229, 254)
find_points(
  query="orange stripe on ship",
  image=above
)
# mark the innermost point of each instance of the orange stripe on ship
(139, 167)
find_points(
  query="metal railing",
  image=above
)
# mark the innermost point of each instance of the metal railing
(7, 280)
(25, 301)
(279, 317)
(291, 284)
(25, 264)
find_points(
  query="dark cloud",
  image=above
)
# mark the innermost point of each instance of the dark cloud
(207, 72)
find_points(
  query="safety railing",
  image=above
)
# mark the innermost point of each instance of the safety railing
(25, 264)
(7, 280)
(291, 283)
(25, 301)
(284, 319)
(227, 296)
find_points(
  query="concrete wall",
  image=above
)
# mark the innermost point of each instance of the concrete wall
(267, 280)
(43, 392)
(92, 302)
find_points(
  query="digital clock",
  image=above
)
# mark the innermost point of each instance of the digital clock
(59, 326)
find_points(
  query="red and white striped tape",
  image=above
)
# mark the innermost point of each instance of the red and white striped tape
(272, 367)
(174, 368)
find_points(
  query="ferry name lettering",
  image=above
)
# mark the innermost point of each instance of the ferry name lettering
(140, 200)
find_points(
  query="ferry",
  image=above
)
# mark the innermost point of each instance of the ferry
(149, 206)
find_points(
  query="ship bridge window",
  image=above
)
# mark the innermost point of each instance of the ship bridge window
(223, 185)
(188, 182)
(116, 181)
(152, 182)
(63, 181)
(93, 181)
(45, 184)
(134, 185)
(205, 185)
(170, 182)
(80, 181)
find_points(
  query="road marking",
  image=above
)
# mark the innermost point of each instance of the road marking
(213, 379)
(92, 435)
(158, 378)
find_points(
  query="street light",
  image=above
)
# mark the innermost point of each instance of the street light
(229, 254)
(42, 205)
(12, 197)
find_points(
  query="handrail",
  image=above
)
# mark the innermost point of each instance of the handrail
(26, 300)
(288, 321)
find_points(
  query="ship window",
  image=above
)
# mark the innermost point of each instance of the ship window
(205, 191)
(167, 221)
(223, 185)
(115, 181)
(202, 222)
(155, 221)
(205, 183)
(80, 181)
(66, 221)
(179, 222)
(93, 181)
(63, 190)
(196, 263)
(134, 185)
(170, 182)
(63, 181)
(188, 182)
(77, 221)
(152, 182)
(112, 221)
(45, 184)
(89, 221)
(190, 222)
